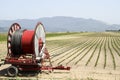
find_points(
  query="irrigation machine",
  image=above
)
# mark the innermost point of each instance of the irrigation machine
(26, 50)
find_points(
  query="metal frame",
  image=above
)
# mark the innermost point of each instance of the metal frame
(29, 62)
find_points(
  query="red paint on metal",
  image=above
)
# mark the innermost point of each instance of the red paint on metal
(23, 61)
(40, 44)
(35, 68)
(27, 42)
(61, 67)
(47, 55)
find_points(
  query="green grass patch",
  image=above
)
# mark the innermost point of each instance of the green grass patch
(59, 34)
(3, 36)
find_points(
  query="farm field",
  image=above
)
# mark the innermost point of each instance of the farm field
(91, 55)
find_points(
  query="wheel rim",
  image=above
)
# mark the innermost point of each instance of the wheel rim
(39, 34)
(11, 31)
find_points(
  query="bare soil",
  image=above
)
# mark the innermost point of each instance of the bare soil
(79, 71)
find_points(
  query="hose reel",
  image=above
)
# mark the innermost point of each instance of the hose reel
(26, 41)
(21, 43)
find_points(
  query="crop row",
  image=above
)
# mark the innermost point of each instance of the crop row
(100, 49)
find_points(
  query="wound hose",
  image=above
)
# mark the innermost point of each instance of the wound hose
(16, 46)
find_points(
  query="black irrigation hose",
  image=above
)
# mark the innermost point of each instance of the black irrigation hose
(16, 46)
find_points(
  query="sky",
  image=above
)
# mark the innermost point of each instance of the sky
(104, 10)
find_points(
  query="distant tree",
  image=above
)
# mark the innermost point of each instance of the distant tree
(68, 32)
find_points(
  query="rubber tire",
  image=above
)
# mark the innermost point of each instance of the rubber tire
(12, 71)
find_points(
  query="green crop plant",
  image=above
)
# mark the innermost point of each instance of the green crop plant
(114, 64)
(91, 46)
(99, 52)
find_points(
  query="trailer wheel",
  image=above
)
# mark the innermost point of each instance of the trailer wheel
(12, 71)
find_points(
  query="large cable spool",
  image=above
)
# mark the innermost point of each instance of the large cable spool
(22, 42)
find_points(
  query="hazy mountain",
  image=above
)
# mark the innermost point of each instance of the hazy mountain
(61, 24)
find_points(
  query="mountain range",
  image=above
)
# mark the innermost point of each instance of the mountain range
(61, 24)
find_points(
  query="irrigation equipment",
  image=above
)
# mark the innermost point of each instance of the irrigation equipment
(27, 50)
